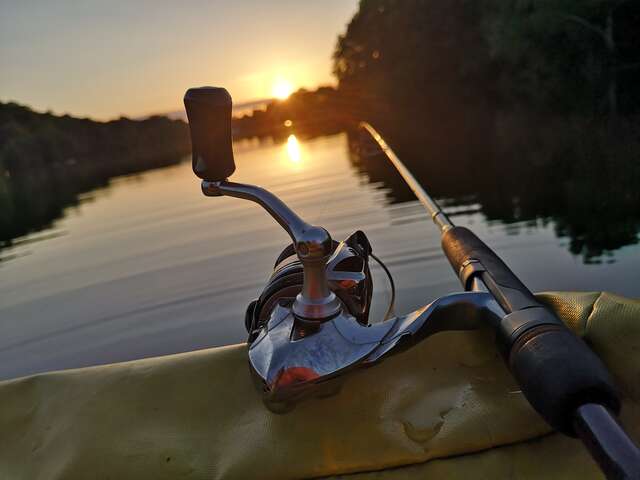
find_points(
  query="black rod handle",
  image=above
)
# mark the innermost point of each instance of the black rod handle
(555, 369)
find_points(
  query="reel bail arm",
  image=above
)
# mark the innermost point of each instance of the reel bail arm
(313, 246)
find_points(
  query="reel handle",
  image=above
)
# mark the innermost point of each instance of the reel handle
(209, 113)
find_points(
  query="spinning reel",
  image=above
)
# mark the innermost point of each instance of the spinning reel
(348, 276)
(311, 322)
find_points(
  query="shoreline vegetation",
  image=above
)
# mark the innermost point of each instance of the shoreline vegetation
(47, 161)
(529, 111)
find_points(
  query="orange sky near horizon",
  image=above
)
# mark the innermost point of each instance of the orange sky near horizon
(136, 58)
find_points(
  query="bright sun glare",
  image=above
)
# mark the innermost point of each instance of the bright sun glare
(282, 89)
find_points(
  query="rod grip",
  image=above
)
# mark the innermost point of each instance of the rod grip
(468, 255)
(557, 372)
(555, 369)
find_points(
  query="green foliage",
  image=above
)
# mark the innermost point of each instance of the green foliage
(411, 50)
(567, 55)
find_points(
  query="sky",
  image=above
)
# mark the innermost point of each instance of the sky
(104, 59)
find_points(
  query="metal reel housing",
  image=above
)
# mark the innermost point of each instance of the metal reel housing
(347, 271)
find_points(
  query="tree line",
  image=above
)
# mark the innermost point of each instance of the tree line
(559, 55)
(47, 160)
(30, 140)
(408, 59)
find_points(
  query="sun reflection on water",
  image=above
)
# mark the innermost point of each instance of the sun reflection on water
(293, 149)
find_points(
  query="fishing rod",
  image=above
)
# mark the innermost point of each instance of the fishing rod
(560, 376)
(310, 325)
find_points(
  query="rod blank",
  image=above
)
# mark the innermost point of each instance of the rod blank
(437, 215)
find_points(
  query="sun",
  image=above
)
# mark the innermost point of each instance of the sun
(282, 89)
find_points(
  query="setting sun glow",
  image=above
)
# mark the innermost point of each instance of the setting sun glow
(282, 89)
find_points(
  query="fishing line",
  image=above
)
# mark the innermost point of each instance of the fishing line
(392, 284)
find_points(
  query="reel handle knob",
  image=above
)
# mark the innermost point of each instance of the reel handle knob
(209, 113)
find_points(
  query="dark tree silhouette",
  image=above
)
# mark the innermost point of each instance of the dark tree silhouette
(498, 106)
(47, 160)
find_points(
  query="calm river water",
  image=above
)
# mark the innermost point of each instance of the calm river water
(148, 266)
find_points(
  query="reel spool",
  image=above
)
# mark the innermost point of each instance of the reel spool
(348, 274)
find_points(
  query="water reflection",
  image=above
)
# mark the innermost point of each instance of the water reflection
(293, 149)
(33, 200)
(522, 171)
(150, 266)
(517, 169)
